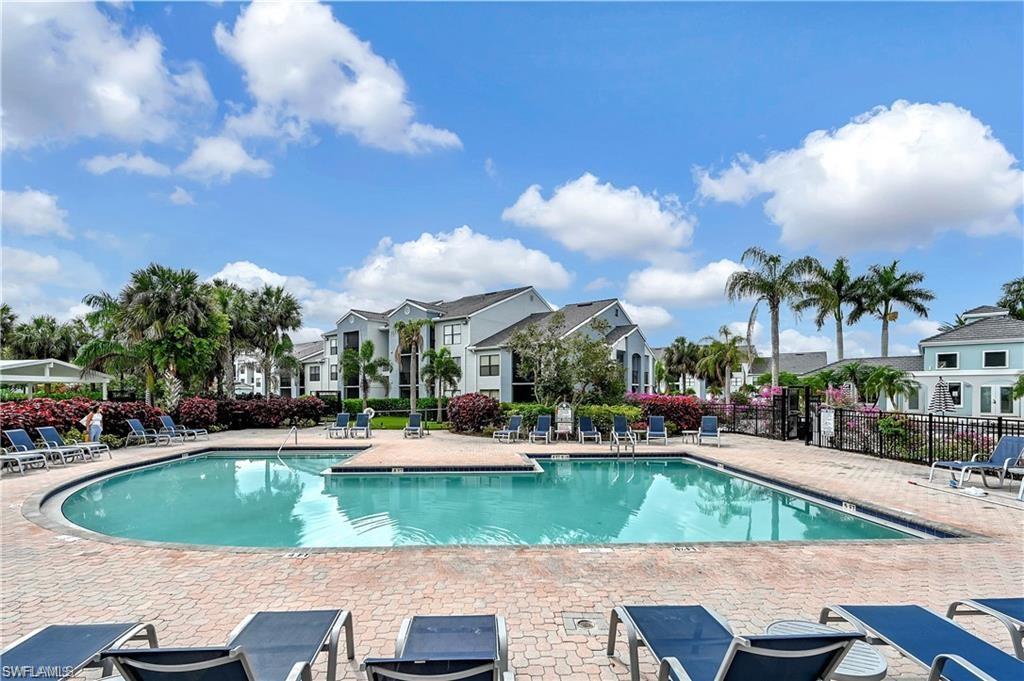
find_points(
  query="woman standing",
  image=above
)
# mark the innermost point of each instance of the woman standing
(93, 423)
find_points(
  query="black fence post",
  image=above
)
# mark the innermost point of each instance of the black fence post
(999, 428)
(931, 426)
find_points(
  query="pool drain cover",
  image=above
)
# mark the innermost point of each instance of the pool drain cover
(585, 623)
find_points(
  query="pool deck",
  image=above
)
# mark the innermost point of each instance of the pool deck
(196, 596)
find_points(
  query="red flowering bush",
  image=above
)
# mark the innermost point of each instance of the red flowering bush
(472, 412)
(269, 412)
(66, 414)
(682, 412)
(197, 412)
(308, 408)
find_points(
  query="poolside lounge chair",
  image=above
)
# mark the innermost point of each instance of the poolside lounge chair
(1007, 454)
(23, 444)
(53, 439)
(621, 434)
(587, 431)
(542, 431)
(656, 429)
(340, 427)
(709, 430)
(453, 647)
(266, 646)
(511, 431)
(173, 429)
(140, 433)
(414, 427)
(22, 460)
(1009, 612)
(63, 650)
(940, 645)
(693, 643)
(362, 426)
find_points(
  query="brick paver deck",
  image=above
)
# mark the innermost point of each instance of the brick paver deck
(195, 597)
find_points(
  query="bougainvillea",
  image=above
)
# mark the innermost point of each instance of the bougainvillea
(472, 412)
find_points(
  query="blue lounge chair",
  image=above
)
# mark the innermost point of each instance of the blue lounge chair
(340, 427)
(140, 433)
(1009, 612)
(60, 651)
(588, 431)
(1006, 455)
(621, 434)
(414, 427)
(23, 444)
(512, 431)
(454, 647)
(20, 461)
(656, 429)
(693, 643)
(709, 430)
(266, 646)
(362, 425)
(940, 645)
(173, 429)
(542, 431)
(53, 439)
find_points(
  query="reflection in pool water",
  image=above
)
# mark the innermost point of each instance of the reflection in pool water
(248, 499)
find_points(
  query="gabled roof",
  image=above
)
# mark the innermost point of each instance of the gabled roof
(305, 351)
(467, 305)
(573, 316)
(619, 332)
(792, 362)
(986, 309)
(902, 362)
(986, 328)
(372, 316)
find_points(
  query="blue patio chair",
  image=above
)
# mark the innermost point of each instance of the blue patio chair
(693, 643)
(362, 425)
(1009, 612)
(173, 429)
(1007, 454)
(266, 646)
(23, 444)
(414, 427)
(139, 433)
(656, 429)
(61, 651)
(340, 427)
(936, 643)
(511, 431)
(587, 431)
(542, 431)
(53, 439)
(709, 430)
(21, 461)
(621, 433)
(453, 647)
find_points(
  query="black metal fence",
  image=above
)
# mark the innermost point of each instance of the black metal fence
(759, 420)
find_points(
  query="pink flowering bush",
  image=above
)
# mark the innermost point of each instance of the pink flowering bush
(472, 412)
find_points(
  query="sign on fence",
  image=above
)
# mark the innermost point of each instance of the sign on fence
(563, 419)
(827, 421)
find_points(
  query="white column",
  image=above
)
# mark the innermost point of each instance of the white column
(104, 388)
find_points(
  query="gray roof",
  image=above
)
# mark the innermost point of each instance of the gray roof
(985, 328)
(467, 305)
(792, 362)
(373, 316)
(618, 332)
(903, 362)
(986, 309)
(573, 315)
(302, 351)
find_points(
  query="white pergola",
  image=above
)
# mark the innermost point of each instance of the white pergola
(33, 372)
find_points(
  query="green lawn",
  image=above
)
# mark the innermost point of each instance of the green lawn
(399, 422)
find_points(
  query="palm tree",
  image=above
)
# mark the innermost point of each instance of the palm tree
(442, 371)
(235, 303)
(889, 382)
(660, 374)
(366, 366)
(8, 320)
(958, 321)
(854, 373)
(1013, 297)
(410, 339)
(275, 312)
(681, 359)
(720, 357)
(775, 282)
(828, 292)
(886, 289)
(43, 337)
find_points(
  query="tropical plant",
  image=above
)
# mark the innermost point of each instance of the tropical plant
(275, 312)
(773, 281)
(1018, 388)
(828, 292)
(410, 340)
(889, 382)
(7, 321)
(660, 374)
(364, 364)
(720, 357)
(441, 371)
(854, 373)
(885, 290)
(957, 322)
(235, 303)
(681, 359)
(43, 337)
(172, 392)
(1013, 297)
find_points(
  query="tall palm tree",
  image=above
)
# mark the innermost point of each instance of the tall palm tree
(958, 321)
(829, 292)
(774, 282)
(442, 371)
(8, 320)
(275, 312)
(235, 303)
(681, 359)
(410, 339)
(1013, 297)
(889, 382)
(43, 337)
(366, 366)
(720, 357)
(854, 373)
(885, 290)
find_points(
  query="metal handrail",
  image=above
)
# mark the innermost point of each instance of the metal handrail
(293, 429)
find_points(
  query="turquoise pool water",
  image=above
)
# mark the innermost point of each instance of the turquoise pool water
(251, 499)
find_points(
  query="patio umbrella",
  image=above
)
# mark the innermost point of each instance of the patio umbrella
(941, 400)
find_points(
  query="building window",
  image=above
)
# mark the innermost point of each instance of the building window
(620, 357)
(947, 360)
(334, 346)
(334, 372)
(314, 373)
(995, 359)
(452, 334)
(490, 365)
(496, 394)
(956, 391)
(351, 340)
(635, 373)
(914, 400)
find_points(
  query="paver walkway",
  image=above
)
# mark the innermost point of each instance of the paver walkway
(195, 597)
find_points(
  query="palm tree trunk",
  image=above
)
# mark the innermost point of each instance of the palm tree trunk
(414, 378)
(839, 337)
(439, 417)
(775, 346)
(268, 366)
(150, 385)
(885, 335)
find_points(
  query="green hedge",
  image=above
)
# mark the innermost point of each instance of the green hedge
(602, 414)
(382, 404)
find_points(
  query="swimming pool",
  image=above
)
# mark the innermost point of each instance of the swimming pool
(255, 500)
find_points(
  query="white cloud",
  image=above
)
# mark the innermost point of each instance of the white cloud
(681, 288)
(304, 67)
(33, 212)
(791, 340)
(136, 163)
(180, 197)
(219, 158)
(602, 220)
(306, 334)
(892, 178)
(648, 316)
(597, 284)
(918, 328)
(491, 168)
(70, 70)
(52, 283)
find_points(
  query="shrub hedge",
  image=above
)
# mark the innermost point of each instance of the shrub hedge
(380, 404)
(66, 414)
(473, 412)
(681, 412)
(197, 412)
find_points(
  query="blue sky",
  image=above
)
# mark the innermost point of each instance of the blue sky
(359, 153)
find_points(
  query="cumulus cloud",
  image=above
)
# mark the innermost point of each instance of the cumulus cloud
(181, 197)
(648, 316)
(303, 67)
(583, 213)
(681, 287)
(219, 159)
(70, 70)
(892, 178)
(51, 283)
(34, 212)
(136, 163)
(597, 284)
